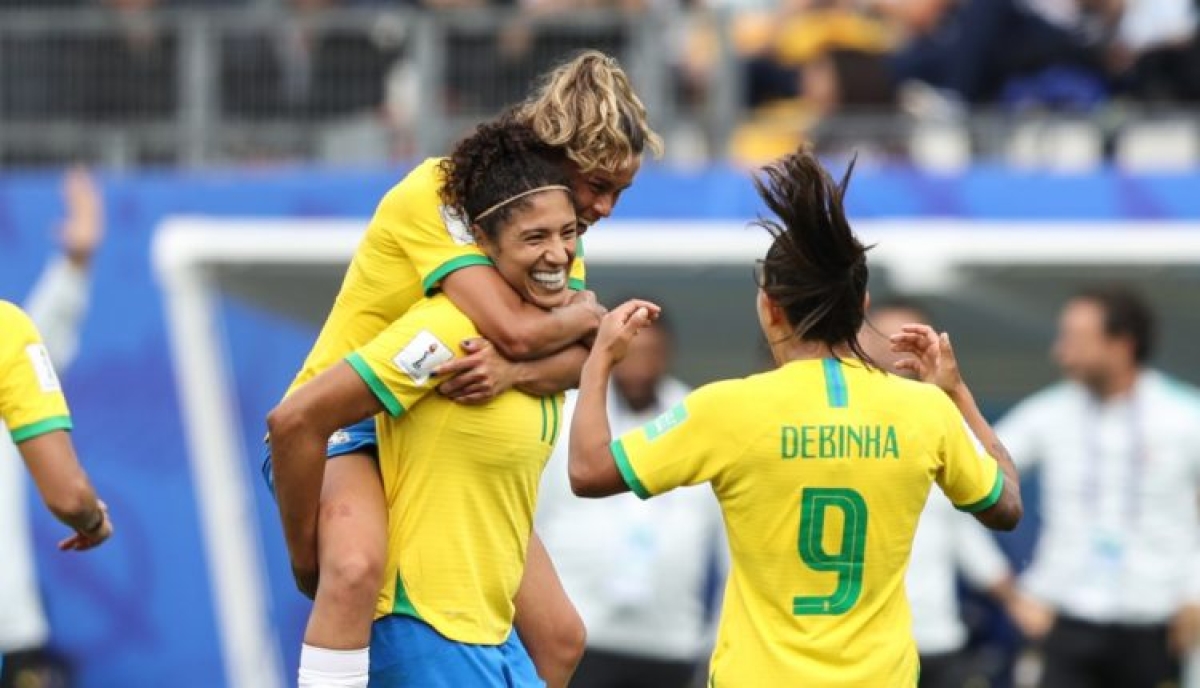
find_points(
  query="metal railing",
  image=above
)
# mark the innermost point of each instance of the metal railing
(260, 84)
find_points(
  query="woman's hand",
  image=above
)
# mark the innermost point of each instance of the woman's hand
(620, 326)
(932, 358)
(479, 376)
(85, 540)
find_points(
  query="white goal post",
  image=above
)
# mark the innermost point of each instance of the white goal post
(920, 255)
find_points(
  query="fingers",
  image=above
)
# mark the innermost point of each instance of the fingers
(474, 345)
(652, 310)
(474, 397)
(471, 361)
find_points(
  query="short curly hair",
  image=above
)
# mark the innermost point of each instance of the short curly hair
(589, 107)
(498, 162)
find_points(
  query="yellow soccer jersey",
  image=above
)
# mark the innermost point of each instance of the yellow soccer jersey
(31, 400)
(460, 481)
(822, 469)
(411, 244)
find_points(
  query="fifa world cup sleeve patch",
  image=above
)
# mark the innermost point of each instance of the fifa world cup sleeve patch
(459, 231)
(424, 353)
(670, 418)
(39, 359)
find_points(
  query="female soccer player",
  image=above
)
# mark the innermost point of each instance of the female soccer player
(821, 466)
(416, 245)
(460, 481)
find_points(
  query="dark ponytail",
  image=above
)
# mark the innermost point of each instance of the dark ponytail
(816, 268)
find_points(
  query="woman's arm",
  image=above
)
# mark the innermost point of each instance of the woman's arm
(592, 467)
(65, 489)
(483, 373)
(299, 428)
(934, 362)
(519, 330)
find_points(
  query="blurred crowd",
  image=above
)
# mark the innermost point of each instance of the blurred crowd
(795, 63)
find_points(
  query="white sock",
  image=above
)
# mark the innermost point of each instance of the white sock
(324, 668)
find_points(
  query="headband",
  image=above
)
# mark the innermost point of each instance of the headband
(523, 194)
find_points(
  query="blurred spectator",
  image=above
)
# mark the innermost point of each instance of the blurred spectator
(817, 59)
(947, 543)
(972, 49)
(303, 69)
(638, 571)
(1117, 448)
(1156, 51)
(488, 69)
(129, 75)
(56, 304)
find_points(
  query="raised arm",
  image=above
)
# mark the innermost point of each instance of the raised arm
(300, 427)
(592, 468)
(1006, 513)
(933, 361)
(59, 300)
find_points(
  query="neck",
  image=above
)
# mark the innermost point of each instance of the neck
(794, 349)
(1118, 384)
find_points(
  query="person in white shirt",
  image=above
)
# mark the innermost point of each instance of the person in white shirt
(56, 304)
(948, 542)
(1117, 447)
(638, 571)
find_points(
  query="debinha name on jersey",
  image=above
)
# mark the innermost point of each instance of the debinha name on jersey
(839, 442)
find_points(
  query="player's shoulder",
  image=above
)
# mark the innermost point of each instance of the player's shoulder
(436, 306)
(726, 398)
(1169, 393)
(422, 182)
(14, 318)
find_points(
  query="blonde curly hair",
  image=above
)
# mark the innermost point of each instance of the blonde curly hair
(588, 107)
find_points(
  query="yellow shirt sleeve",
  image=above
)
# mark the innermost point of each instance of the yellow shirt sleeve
(397, 365)
(971, 478)
(687, 445)
(31, 399)
(434, 238)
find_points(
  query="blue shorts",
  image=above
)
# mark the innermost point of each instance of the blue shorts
(407, 652)
(356, 438)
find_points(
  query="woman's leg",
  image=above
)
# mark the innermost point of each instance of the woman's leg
(352, 546)
(547, 622)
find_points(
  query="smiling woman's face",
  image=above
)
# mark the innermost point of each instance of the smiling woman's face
(597, 192)
(535, 247)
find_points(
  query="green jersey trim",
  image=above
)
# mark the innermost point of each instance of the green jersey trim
(402, 604)
(42, 427)
(627, 472)
(990, 500)
(378, 388)
(430, 283)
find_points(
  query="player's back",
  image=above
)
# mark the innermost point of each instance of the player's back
(821, 509)
(383, 279)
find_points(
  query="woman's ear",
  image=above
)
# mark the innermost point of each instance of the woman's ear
(481, 237)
